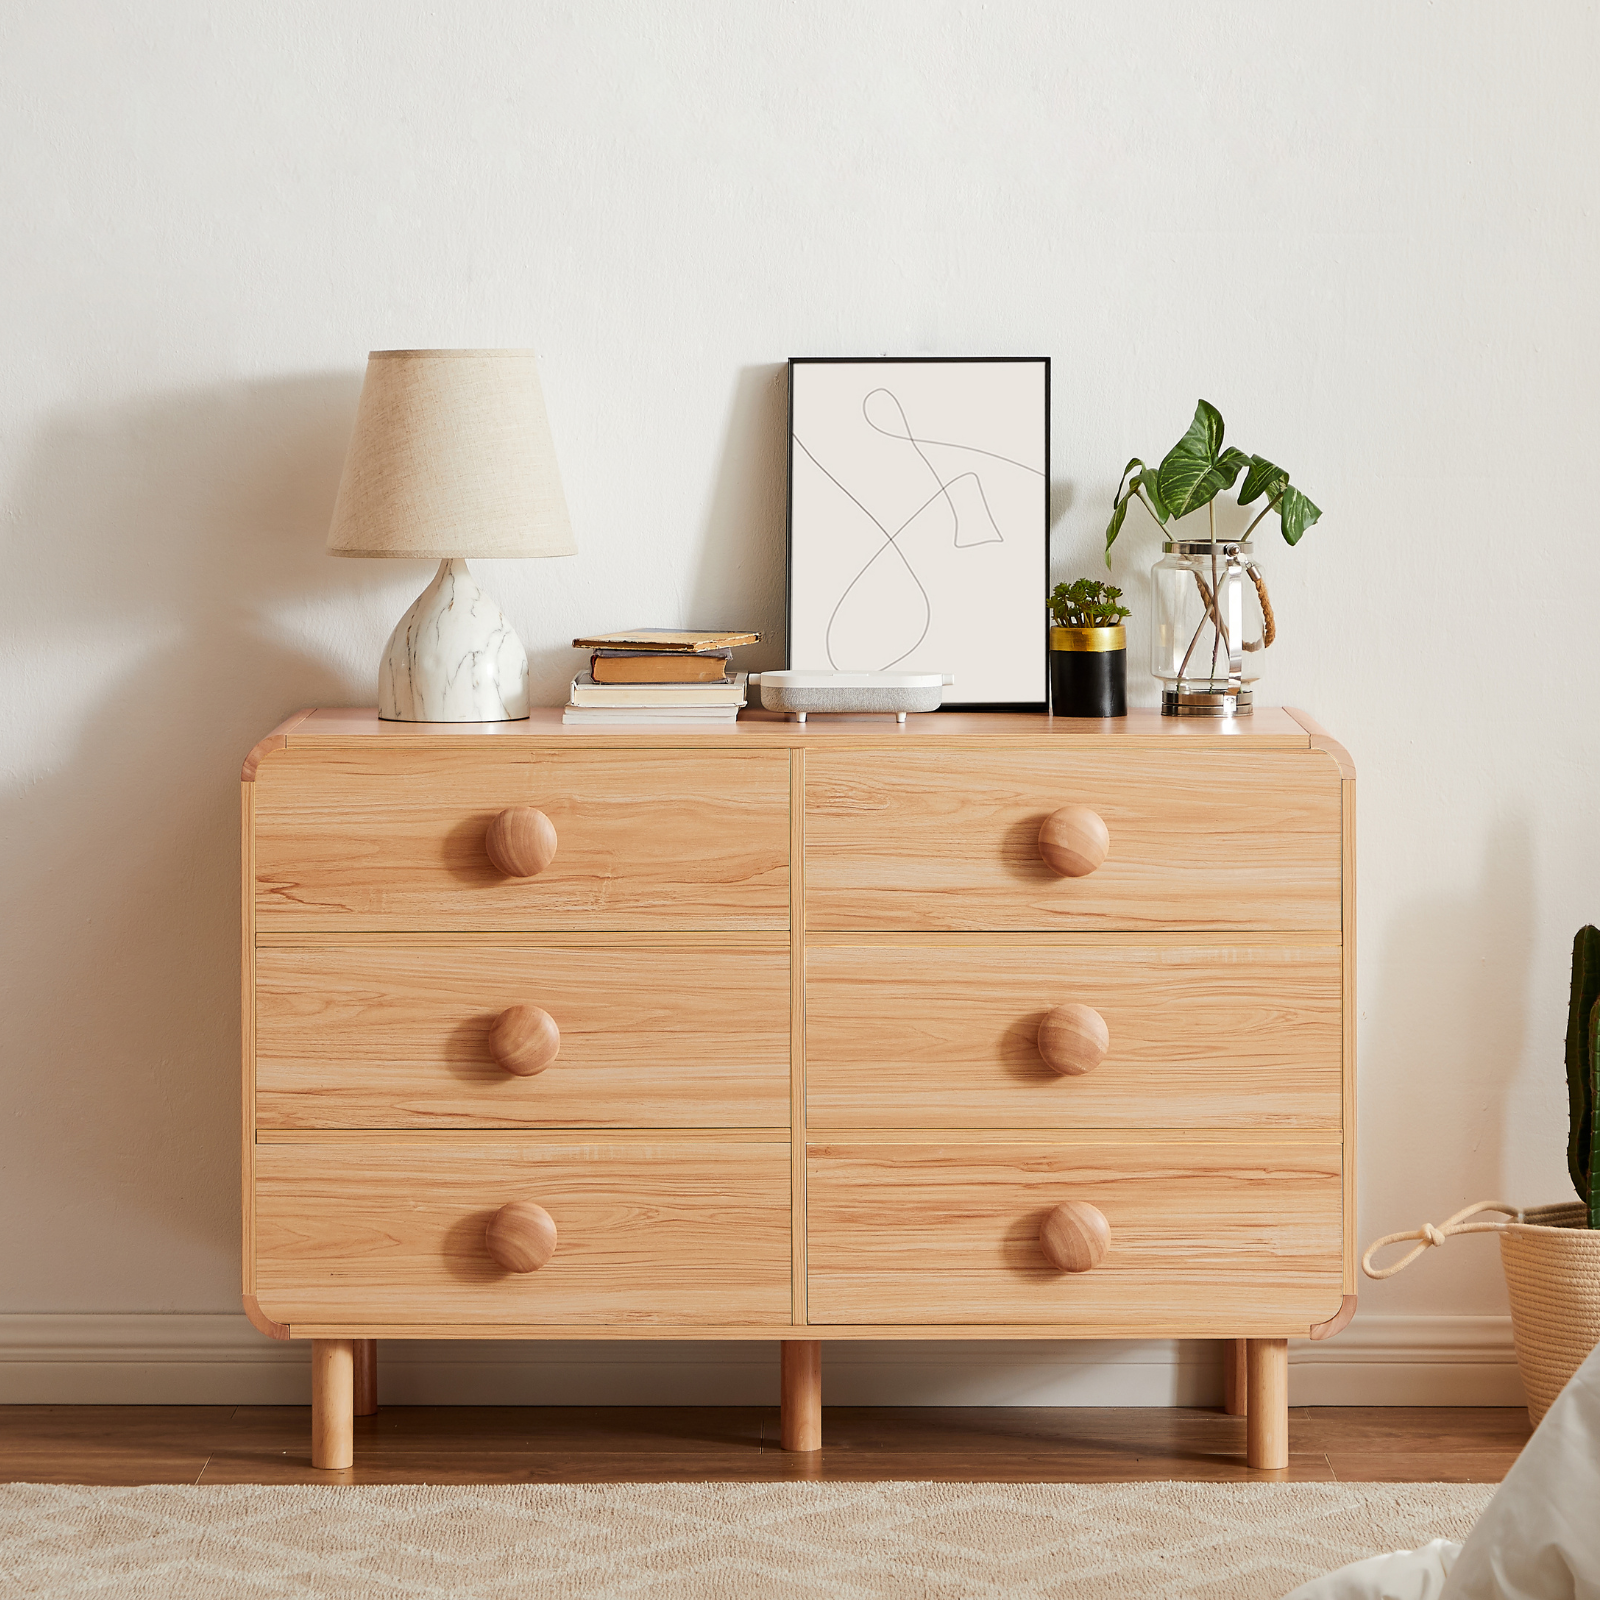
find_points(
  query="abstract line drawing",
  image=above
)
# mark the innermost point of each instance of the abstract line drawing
(908, 514)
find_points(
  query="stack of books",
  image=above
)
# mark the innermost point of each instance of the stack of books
(658, 675)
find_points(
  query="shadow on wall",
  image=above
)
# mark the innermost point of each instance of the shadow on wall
(1448, 1026)
(159, 545)
(741, 579)
(735, 577)
(177, 602)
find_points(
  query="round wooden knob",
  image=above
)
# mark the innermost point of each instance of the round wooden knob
(1073, 1039)
(1074, 841)
(1074, 1237)
(525, 1040)
(521, 842)
(521, 1236)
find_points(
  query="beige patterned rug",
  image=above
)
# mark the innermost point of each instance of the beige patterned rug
(707, 1541)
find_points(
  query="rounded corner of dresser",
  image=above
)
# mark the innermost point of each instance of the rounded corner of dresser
(1340, 1320)
(1338, 755)
(1325, 744)
(259, 753)
(261, 1321)
(278, 739)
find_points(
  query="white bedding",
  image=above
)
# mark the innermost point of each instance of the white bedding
(1538, 1539)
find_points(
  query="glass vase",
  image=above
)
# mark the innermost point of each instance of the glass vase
(1211, 623)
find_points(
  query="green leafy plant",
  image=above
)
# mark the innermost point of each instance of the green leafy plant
(1087, 604)
(1196, 470)
(1583, 1070)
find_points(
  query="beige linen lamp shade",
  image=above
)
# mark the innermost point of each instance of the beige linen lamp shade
(451, 457)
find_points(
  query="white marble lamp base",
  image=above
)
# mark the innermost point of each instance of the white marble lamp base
(453, 657)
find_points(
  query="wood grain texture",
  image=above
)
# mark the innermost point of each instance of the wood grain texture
(797, 1037)
(1074, 1236)
(1324, 1139)
(922, 939)
(950, 1234)
(523, 1040)
(521, 842)
(1202, 839)
(393, 1231)
(1201, 1035)
(1072, 1039)
(1138, 1325)
(374, 828)
(1267, 1409)
(1324, 743)
(1322, 740)
(365, 1352)
(568, 939)
(394, 839)
(1348, 914)
(1270, 728)
(142, 1444)
(258, 1318)
(364, 1036)
(278, 739)
(521, 1236)
(247, 1039)
(1340, 1320)
(1235, 1378)
(332, 1404)
(800, 1388)
(1074, 841)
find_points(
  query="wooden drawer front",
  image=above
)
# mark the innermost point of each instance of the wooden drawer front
(647, 839)
(1224, 1238)
(949, 840)
(377, 1037)
(947, 1036)
(392, 1231)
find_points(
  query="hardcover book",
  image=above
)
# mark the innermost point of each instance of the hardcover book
(665, 639)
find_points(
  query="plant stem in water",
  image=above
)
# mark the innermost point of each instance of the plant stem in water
(1216, 616)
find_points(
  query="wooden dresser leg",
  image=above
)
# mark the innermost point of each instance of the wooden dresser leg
(1267, 1424)
(332, 1403)
(1235, 1386)
(366, 1377)
(801, 1367)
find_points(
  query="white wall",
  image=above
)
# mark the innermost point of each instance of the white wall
(1365, 230)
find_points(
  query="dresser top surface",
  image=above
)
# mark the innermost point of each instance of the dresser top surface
(1269, 728)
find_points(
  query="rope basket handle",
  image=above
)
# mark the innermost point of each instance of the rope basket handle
(1430, 1236)
(1269, 623)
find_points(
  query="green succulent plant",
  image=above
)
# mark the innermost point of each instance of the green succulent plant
(1087, 604)
(1196, 470)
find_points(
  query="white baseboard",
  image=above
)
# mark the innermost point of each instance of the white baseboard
(201, 1358)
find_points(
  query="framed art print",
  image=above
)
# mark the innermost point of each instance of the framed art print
(919, 521)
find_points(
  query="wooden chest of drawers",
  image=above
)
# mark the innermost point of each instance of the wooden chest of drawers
(798, 1032)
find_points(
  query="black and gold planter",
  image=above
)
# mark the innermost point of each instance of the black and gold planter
(1089, 672)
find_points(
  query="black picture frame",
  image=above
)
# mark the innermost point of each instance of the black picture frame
(1039, 596)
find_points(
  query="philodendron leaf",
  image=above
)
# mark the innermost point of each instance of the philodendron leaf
(1149, 482)
(1296, 514)
(1262, 477)
(1114, 527)
(1119, 506)
(1124, 487)
(1196, 469)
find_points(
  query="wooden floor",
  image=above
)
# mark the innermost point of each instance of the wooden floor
(620, 1444)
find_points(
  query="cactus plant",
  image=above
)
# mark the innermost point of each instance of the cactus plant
(1583, 1070)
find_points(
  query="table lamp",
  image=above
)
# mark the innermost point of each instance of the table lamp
(451, 458)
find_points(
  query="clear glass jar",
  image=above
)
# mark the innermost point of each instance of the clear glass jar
(1207, 655)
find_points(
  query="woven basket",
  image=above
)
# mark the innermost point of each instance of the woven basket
(1552, 1262)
